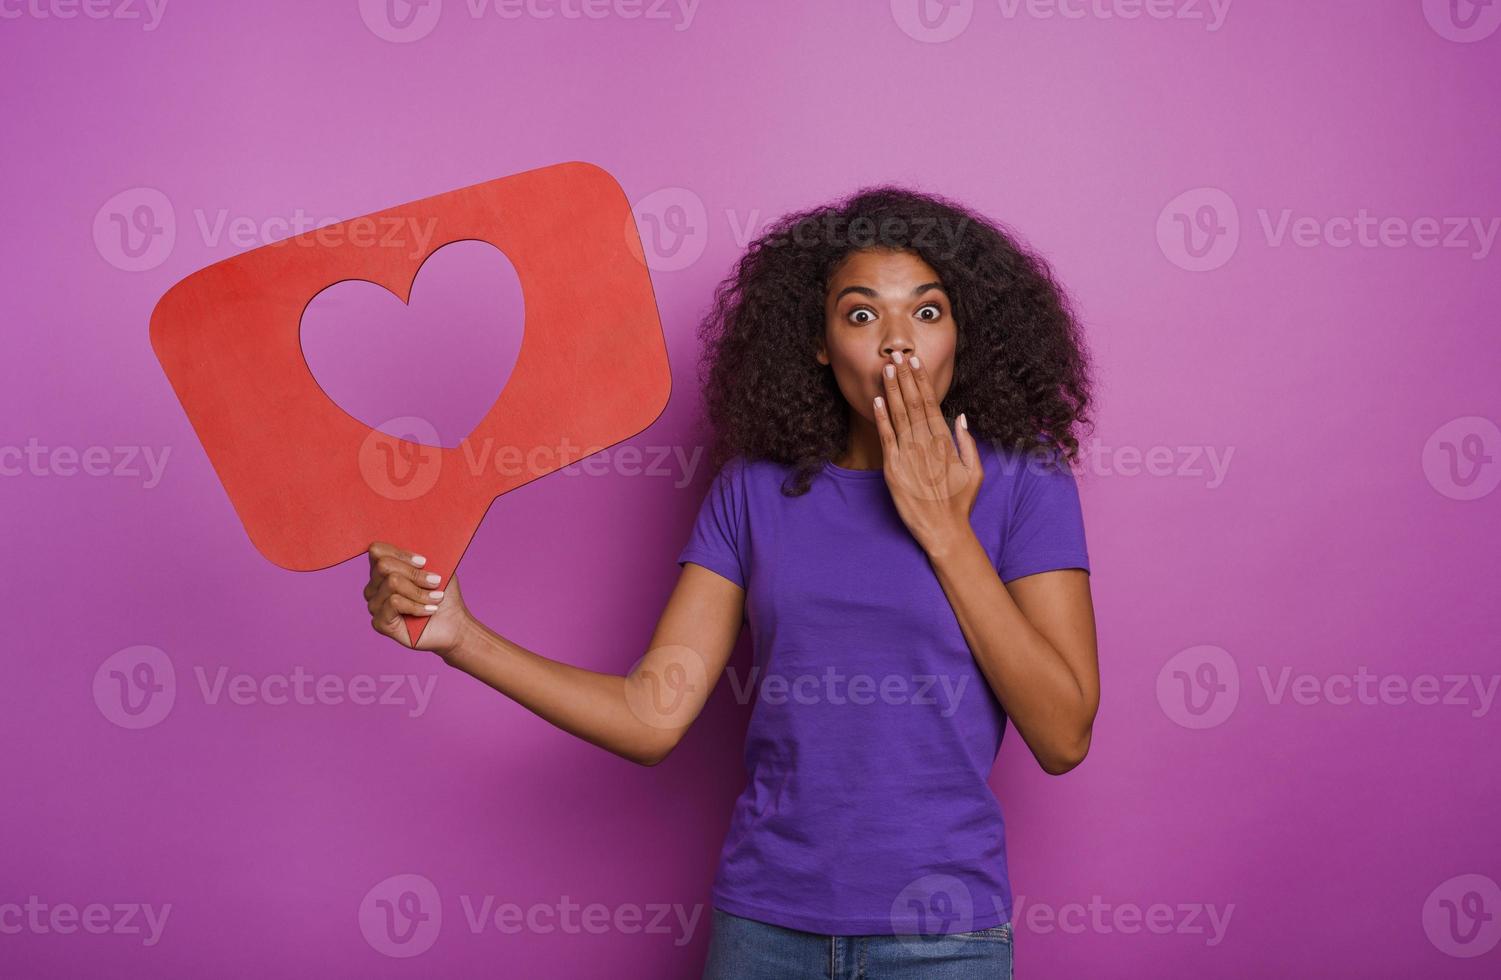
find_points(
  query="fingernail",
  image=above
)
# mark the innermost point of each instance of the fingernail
(896, 355)
(433, 578)
(435, 595)
(915, 365)
(430, 608)
(963, 421)
(890, 371)
(418, 560)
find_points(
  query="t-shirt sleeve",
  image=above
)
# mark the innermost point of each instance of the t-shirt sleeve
(1046, 531)
(719, 540)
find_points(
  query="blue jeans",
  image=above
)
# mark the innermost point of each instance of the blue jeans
(744, 949)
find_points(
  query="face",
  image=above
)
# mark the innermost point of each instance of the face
(880, 301)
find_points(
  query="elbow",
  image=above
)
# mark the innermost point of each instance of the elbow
(1066, 758)
(653, 754)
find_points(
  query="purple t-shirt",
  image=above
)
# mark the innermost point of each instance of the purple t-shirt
(867, 809)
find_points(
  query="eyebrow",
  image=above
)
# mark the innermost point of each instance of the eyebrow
(867, 291)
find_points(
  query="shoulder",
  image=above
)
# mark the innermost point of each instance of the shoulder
(1023, 476)
(1019, 464)
(749, 473)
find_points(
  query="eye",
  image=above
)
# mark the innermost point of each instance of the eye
(859, 310)
(937, 312)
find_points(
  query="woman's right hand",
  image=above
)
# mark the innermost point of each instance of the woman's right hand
(398, 586)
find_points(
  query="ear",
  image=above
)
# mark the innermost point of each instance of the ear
(822, 355)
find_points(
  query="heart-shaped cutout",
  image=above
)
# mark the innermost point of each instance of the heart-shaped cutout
(443, 358)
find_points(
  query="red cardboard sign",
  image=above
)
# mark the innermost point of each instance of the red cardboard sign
(314, 486)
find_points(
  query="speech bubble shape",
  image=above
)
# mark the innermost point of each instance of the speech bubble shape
(312, 485)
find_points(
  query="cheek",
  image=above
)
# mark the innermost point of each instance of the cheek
(941, 373)
(849, 364)
(942, 366)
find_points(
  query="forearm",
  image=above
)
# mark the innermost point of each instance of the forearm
(585, 703)
(1028, 675)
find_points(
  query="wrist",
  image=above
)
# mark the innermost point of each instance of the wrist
(949, 542)
(467, 638)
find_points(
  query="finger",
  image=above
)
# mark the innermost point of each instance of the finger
(884, 429)
(382, 568)
(896, 408)
(384, 549)
(397, 606)
(968, 451)
(928, 399)
(917, 421)
(386, 618)
(396, 584)
(395, 566)
(393, 627)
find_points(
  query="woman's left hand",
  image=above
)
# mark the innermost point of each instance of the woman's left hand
(933, 484)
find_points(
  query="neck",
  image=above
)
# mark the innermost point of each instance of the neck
(863, 450)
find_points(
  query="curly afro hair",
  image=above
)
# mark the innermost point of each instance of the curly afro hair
(1021, 372)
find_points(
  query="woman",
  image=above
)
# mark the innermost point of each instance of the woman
(895, 386)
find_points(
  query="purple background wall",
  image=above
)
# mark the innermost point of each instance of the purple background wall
(1289, 503)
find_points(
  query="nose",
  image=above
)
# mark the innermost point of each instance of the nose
(905, 346)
